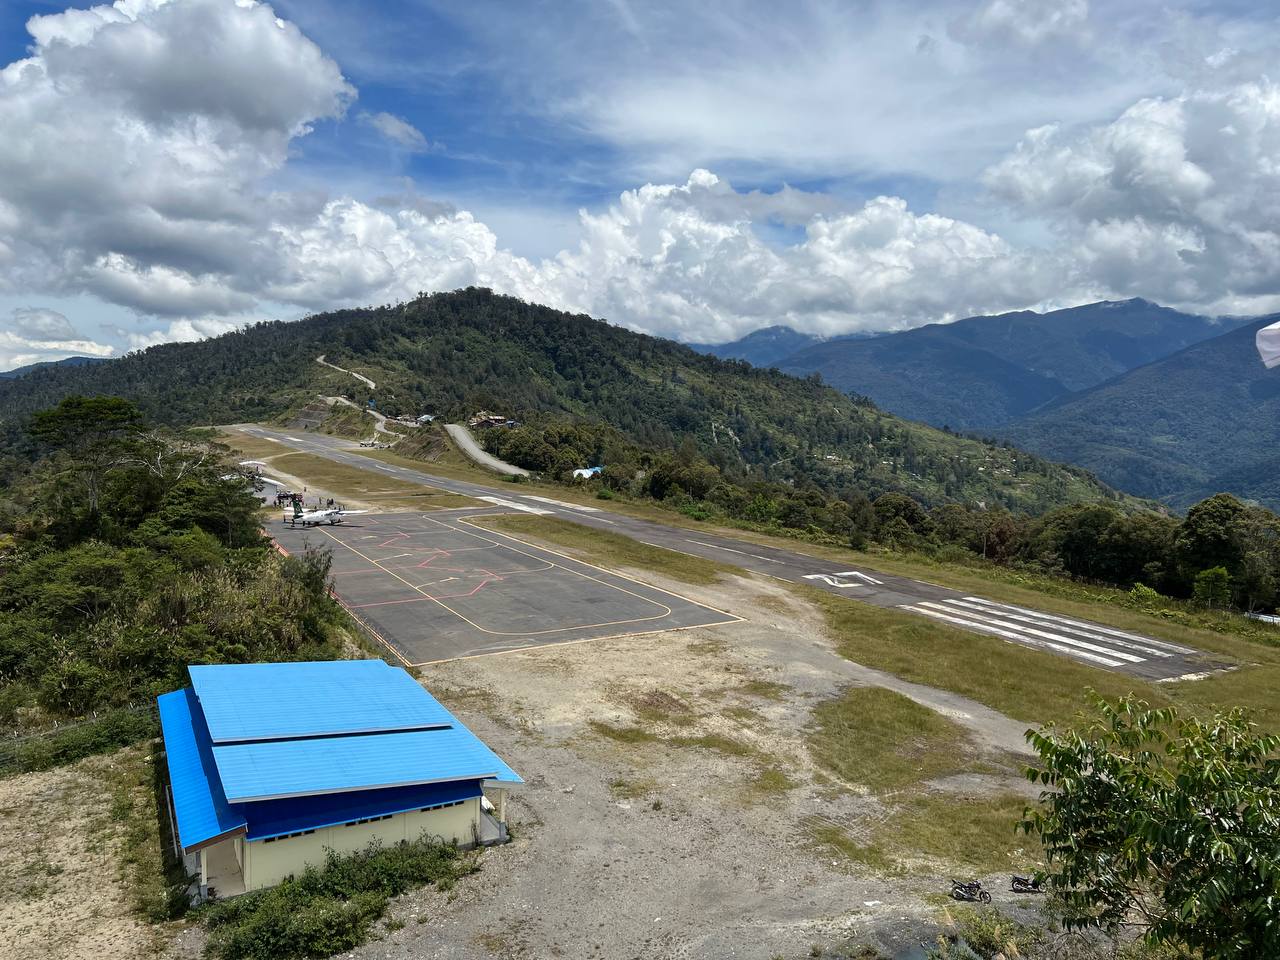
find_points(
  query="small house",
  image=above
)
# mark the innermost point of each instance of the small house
(272, 764)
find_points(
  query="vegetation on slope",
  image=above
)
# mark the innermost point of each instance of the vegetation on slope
(1180, 429)
(982, 372)
(128, 552)
(452, 354)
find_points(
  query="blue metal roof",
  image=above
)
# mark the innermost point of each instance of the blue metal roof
(200, 806)
(278, 701)
(294, 768)
(274, 818)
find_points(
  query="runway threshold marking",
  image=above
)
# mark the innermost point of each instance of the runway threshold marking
(1011, 635)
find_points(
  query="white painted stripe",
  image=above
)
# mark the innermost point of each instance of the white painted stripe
(294, 439)
(716, 546)
(511, 505)
(560, 503)
(1077, 631)
(1055, 637)
(1009, 635)
(1090, 626)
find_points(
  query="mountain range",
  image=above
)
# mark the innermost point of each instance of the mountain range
(64, 362)
(452, 354)
(1204, 420)
(1159, 403)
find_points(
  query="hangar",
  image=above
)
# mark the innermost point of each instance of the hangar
(272, 764)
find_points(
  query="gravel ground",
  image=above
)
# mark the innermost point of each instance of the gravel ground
(61, 894)
(655, 849)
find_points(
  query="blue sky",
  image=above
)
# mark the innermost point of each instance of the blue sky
(171, 170)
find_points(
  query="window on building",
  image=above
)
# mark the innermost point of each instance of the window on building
(441, 806)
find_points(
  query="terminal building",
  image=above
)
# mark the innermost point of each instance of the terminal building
(272, 764)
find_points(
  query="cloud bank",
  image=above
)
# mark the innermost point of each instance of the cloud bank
(145, 150)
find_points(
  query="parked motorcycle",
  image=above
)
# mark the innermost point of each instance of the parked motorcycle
(971, 891)
(1026, 884)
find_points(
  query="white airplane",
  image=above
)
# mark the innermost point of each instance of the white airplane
(313, 518)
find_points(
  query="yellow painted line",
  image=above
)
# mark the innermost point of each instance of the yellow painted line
(569, 643)
(524, 633)
(612, 573)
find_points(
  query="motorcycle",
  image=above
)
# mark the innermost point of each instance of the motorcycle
(971, 892)
(1026, 885)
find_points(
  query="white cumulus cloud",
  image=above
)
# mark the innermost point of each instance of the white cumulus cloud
(1178, 197)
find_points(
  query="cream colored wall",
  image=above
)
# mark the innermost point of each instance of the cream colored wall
(266, 864)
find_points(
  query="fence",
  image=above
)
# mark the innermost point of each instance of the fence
(100, 731)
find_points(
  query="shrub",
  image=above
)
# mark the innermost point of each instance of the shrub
(330, 909)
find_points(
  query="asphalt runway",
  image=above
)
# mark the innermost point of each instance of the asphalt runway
(435, 587)
(1086, 642)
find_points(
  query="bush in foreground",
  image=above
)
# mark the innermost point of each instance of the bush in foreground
(330, 909)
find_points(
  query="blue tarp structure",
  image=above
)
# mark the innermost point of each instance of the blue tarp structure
(272, 749)
(295, 768)
(199, 805)
(279, 701)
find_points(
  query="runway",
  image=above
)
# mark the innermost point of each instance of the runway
(1080, 640)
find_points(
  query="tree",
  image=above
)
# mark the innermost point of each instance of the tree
(1166, 822)
(1213, 587)
(93, 433)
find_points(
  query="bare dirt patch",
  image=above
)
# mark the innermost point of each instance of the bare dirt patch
(64, 893)
(672, 800)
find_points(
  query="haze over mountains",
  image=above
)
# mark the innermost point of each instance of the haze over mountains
(983, 372)
(1204, 420)
(1159, 403)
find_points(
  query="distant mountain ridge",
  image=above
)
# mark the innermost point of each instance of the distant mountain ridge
(1202, 421)
(767, 347)
(65, 362)
(984, 372)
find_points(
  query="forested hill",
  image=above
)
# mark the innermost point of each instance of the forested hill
(454, 353)
(1203, 420)
(983, 372)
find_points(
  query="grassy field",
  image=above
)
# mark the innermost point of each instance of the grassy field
(610, 549)
(884, 741)
(887, 743)
(1029, 684)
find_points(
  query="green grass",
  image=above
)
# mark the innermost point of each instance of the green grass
(828, 839)
(1026, 684)
(772, 781)
(1031, 685)
(610, 549)
(884, 741)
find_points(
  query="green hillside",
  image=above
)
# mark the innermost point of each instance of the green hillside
(454, 353)
(982, 372)
(1203, 420)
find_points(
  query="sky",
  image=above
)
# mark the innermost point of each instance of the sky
(174, 170)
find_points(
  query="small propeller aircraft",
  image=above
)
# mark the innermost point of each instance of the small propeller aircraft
(313, 518)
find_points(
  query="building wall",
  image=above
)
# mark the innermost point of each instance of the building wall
(266, 864)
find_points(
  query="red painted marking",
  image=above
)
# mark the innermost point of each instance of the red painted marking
(383, 603)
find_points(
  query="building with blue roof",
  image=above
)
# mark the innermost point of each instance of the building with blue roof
(272, 764)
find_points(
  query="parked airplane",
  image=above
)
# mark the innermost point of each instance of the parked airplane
(313, 518)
